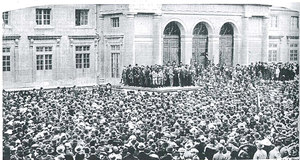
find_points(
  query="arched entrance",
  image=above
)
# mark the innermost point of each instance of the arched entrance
(171, 43)
(200, 44)
(226, 45)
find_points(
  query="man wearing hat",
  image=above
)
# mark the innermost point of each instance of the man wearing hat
(219, 155)
(169, 154)
(130, 155)
(142, 155)
(260, 153)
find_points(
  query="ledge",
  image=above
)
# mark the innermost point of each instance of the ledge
(292, 37)
(83, 27)
(43, 27)
(11, 37)
(275, 37)
(7, 27)
(83, 37)
(42, 37)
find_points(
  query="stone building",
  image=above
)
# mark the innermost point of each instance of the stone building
(65, 45)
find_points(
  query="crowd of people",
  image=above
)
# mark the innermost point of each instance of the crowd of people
(188, 75)
(228, 118)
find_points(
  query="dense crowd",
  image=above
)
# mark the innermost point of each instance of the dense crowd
(229, 118)
(187, 75)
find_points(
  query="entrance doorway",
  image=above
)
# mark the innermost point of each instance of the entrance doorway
(226, 45)
(200, 45)
(171, 44)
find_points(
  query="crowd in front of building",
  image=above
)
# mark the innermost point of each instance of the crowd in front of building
(188, 75)
(224, 119)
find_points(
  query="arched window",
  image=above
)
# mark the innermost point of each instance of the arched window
(200, 29)
(172, 29)
(226, 29)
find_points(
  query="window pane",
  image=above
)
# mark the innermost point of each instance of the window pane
(115, 22)
(6, 63)
(5, 17)
(6, 50)
(40, 62)
(81, 17)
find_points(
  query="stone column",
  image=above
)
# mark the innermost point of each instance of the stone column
(157, 40)
(101, 54)
(186, 48)
(214, 45)
(73, 56)
(245, 50)
(237, 49)
(280, 51)
(265, 39)
(56, 58)
(15, 62)
(32, 59)
(129, 39)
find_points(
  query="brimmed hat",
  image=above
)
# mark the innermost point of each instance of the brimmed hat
(141, 146)
(78, 149)
(60, 149)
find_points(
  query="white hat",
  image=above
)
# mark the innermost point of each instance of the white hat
(60, 149)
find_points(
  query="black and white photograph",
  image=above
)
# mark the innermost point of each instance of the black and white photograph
(150, 80)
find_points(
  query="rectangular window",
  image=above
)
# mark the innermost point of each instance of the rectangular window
(39, 62)
(6, 50)
(81, 17)
(6, 63)
(82, 56)
(48, 62)
(115, 61)
(274, 21)
(43, 57)
(5, 17)
(293, 52)
(43, 16)
(273, 50)
(115, 22)
(294, 22)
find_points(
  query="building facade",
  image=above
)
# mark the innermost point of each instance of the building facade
(65, 45)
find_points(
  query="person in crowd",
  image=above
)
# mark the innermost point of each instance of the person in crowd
(251, 118)
(185, 75)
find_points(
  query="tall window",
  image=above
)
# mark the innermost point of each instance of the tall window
(81, 17)
(115, 22)
(43, 16)
(44, 58)
(274, 21)
(115, 61)
(5, 17)
(293, 52)
(273, 50)
(82, 56)
(294, 22)
(6, 59)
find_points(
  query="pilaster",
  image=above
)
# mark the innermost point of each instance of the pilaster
(265, 39)
(214, 45)
(157, 40)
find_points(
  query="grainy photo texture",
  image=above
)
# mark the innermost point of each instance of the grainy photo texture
(150, 82)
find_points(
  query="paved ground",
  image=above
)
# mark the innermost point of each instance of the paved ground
(162, 89)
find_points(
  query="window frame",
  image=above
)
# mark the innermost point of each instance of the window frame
(6, 59)
(82, 56)
(274, 21)
(273, 51)
(43, 63)
(115, 50)
(42, 16)
(293, 52)
(115, 22)
(294, 23)
(5, 21)
(80, 13)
